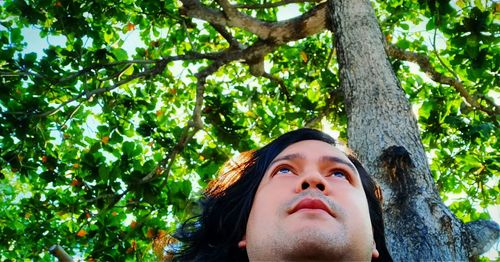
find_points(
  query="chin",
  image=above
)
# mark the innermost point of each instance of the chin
(315, 244)
(313, 251)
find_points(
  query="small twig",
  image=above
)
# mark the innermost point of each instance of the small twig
(99, 66)
(323, 112)
(439, 57)
(188, 35)
(330, 55)
(256, 68)
(487, 100)
(233, 43)
(72, 114)
(117, 75)
(15, 74)
(100, 197)
(280, 83)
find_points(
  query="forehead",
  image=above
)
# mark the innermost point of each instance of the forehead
(313, 149)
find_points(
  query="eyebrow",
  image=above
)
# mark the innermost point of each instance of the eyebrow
(332, 159)
(288, 157)
(342, 161)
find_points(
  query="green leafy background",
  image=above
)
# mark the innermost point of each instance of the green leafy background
(105, 174)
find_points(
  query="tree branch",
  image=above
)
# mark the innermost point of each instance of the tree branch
(278, 33)
(289, 30)
(482, 235)
(256, 68)
(190, 129)
(233, 43)
(60, 254)
(99, 66)
(193, 8)
(280, 83)
(308, 24)
(272, 5)
(258, 49)
(426, 66)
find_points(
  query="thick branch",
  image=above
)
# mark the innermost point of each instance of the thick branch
(58, 251)
(483, 235)
(426, 66)
(193, 8)
(308, 24)
(230, 11)
(281, 32)
(272, 5)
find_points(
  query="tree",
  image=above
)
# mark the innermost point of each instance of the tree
(416, 217)
(104, 149)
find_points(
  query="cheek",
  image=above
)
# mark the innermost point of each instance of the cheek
(352, 201)
(261, 218)
(268, 202)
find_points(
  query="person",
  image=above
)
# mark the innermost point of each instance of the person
(297, 198)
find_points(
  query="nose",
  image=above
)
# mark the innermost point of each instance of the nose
(313, 181)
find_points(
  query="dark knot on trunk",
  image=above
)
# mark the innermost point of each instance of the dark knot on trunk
(396, 160)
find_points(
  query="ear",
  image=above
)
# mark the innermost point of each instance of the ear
(375, 253)
(243, 242)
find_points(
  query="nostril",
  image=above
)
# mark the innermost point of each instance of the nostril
(305, 185)
(321, 187)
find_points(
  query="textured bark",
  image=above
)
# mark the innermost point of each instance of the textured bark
(383, 132)
(277, 33)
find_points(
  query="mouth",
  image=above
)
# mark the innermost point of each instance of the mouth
(312, 205)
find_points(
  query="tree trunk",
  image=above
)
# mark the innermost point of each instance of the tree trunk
(383, 131)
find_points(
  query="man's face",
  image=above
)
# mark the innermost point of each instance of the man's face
(310, 205)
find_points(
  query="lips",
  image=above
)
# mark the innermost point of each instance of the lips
(309, 203)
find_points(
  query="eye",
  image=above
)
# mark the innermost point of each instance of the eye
(339, 174)
(283, 171)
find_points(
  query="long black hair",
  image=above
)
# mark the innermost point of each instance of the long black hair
(226, 205)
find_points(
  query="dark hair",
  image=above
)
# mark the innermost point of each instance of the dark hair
(214, 235)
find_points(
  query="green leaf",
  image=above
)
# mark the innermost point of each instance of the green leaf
(430, 25)
(128, 148)
(404, 26)
(103, 172)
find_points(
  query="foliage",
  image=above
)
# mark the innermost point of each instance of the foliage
(104, 147)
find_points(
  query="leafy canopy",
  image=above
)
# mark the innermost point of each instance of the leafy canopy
(107, 136)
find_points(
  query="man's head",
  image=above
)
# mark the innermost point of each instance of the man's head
(299, 197)
(310, 205)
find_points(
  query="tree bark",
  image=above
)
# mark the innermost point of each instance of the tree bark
(383, 131)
